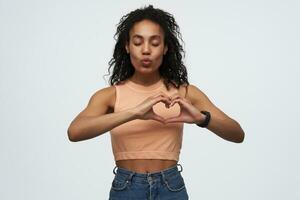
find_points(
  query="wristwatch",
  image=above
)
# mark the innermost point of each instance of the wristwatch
(206, 120)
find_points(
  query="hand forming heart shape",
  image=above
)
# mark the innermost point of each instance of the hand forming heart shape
(162, 109)
(179, 109)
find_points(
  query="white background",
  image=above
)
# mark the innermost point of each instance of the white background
(244, 55)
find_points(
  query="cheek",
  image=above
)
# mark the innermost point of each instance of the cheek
(134, 60)
(160, 52)
(158, 56)
(134, 52)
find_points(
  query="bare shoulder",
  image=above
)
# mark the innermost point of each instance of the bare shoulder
(200, 100)
(106, 95)
(195, 95)
(101, 102)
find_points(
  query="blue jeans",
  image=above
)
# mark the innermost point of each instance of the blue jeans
(167, 184)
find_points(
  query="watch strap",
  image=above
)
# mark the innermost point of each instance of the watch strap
(206, 120)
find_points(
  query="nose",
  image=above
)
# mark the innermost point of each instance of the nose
(146, 49)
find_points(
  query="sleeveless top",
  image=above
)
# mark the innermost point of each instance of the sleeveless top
(145, 139)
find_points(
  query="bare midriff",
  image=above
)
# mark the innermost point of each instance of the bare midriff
(146, 165)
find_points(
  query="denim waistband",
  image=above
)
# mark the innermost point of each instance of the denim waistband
(146, 175)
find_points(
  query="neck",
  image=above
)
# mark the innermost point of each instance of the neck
(145, 80)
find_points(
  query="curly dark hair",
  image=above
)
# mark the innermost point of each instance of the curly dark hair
(172, 68)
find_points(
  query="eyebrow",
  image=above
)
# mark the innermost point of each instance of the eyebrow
(151, 37)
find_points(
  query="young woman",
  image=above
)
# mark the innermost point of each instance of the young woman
(144, 108)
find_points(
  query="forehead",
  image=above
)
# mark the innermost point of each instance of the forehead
(146, 29)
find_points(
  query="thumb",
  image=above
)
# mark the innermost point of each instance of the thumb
(173, 120)
(158, 118)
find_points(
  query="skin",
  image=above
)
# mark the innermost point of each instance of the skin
(147, 41)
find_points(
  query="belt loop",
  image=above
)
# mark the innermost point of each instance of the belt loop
(181, 168)
(149, 178)
(114, 170)
(129, 178)
(163, 176)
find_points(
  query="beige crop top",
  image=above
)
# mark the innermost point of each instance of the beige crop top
(145, 139)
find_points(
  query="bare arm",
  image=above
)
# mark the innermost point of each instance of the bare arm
(220, 123)
(96, 118)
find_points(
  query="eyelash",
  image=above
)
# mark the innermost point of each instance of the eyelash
(152, 44)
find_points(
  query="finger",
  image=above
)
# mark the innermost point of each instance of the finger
(174, 96)
(174, 120)
(161, 98)
(174, 100)
(182, 98)
(179, 101)
(165, 100)
(159, 118)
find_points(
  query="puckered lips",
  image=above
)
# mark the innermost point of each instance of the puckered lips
(146, 61)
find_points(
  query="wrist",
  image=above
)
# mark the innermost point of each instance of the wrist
(200, 118)
(133, 114)
(204, 122)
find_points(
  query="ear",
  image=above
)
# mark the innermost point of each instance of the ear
(165, 49)
(127, 47)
